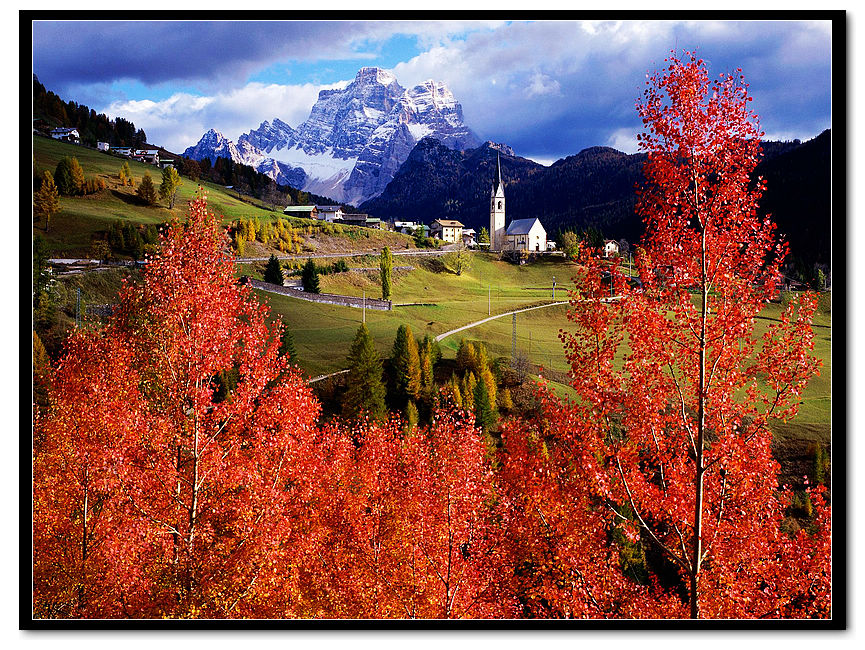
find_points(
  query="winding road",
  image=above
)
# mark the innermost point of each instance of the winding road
(485, 320)
(454, 331)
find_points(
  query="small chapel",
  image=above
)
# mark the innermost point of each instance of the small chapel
(522, 234)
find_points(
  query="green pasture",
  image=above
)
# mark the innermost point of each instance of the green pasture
(84, 218)
(432, 301)
(323, 333)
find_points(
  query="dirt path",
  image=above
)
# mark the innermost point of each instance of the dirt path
(485, 320)
(453, 331)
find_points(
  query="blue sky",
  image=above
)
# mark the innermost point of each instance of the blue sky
(547, 88)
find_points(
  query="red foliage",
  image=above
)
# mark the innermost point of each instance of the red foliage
(194, 482)
(179, 469)
(676, 423)
(407, 533)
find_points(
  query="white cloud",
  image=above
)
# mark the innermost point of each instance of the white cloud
(546, 162)
(542, 84)
(549, 87)
(526, 81)
(624, 140)
(179, 121)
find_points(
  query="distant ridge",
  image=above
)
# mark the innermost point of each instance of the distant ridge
(596, 189)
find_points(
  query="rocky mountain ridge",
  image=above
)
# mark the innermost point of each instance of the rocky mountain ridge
(354, 140)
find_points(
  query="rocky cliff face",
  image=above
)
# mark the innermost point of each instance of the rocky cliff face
(354, 140)
(267, 136)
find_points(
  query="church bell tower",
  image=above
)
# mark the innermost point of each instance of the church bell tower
(497, 209)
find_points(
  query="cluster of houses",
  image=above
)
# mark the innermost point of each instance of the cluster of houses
(447, 230)
(147, 156)
(524, 236)
(335, 214)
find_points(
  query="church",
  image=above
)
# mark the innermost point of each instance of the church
(522, 234)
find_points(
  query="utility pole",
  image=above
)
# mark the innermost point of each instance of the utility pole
(514, 339)
(78, 307)
(554, 288)
(364, 305)
(489, 300)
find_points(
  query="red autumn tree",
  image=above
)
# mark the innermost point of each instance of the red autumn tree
(406, 530)
(675, 392)
(182, 420)
(555, 558)
(87, 542)
(449, 486)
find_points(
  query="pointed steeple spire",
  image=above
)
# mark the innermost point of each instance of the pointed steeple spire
(497, 181)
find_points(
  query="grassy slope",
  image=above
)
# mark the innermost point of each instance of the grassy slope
(323, 333)
(84, 218)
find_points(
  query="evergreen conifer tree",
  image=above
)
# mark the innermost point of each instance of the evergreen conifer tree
(170, 183)
(69, 177)
(286, 344)
(147, 191)
(125, 175)
(467, 389)
(386, 266)
(365, 393)
(273, 271)
(46, 200)
(485, 414)
(309, 277)
(406, 365)
(466, 357)
(453, 386)
(411, 416)
(427, 378)
(433, 347)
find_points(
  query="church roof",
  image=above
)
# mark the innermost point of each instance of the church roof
(521, 226)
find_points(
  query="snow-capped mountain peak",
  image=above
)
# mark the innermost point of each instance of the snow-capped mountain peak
(354, 139)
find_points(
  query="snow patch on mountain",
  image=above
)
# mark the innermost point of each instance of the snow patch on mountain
(354, 139)
(419, 131)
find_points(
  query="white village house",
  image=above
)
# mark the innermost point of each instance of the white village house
(526, 235)
(148, 156)
(308, 211)
(611, 247)
(447, 230)
(329, 213)
(65, 134)
(408, 227)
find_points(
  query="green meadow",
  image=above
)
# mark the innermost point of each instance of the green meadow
(430, 300)
(323, 333)
(428, 297)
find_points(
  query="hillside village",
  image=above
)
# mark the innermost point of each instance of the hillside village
(521, 238)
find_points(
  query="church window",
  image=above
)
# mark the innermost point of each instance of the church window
(500, 205)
